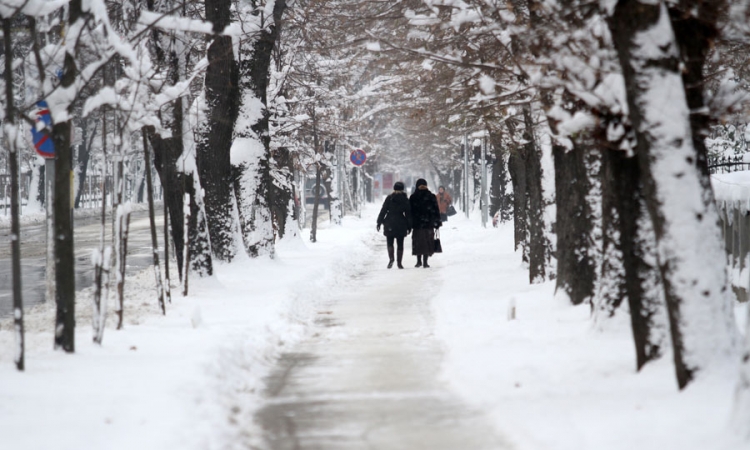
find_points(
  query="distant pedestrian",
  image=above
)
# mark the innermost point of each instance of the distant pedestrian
(425, 216)
(395, 218)
(444, 202)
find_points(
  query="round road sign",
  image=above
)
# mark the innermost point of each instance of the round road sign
(358, 157)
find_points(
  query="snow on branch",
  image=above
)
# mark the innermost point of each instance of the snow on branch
(167, 22)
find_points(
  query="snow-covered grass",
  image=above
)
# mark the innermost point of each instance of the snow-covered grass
(188, 380)
(552, 380)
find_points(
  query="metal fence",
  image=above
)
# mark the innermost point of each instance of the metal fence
(90, 192)
(727, 164)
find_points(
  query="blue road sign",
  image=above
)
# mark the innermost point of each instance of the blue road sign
(358, 157)
(42, 138)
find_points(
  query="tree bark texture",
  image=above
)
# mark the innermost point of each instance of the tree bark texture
(694, 23)
(215, 140)
(640, 283)
(167, 151)
(84, 154)
(15, 227)
(500, 200)
(690, 256)
(576, 270)
(537, 239)
(316, 206)
(64, 251)
(517, 170)
(277, 193)
(282, 205)
(152, 223)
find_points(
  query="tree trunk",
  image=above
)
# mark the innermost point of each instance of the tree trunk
(15, 227)
(576, 269)
(517, 170)
(215, 141)
(166, 154)
(168, 151)
(316, 206)
(639, 280)
(694, 23)
(199, 241)
(122, 228)
(103, 261)
(84, 154)
(500, 200)
(272, 200)
(282, 206)
(152, 221)
(259, 202)
(64, 252)
(334, 202)
(691, 259)
(535, 211)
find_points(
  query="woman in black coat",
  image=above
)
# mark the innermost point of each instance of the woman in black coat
(425, 215)
(395, 217)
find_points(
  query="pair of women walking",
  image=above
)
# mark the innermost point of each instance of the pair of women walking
(418, 215)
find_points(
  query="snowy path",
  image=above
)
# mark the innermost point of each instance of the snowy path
(368, 376)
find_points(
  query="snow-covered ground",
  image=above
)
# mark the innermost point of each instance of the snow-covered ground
(548, 379)
(187, 380)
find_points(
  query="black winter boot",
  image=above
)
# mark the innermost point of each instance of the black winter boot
(390, 257)
(419, 261)
(400, 257)
(425, 262)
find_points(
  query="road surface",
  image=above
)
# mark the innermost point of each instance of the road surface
(86, 238)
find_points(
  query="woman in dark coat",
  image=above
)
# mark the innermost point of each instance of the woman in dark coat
(425, 216)
(395, 217)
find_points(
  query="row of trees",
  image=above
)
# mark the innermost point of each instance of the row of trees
(227, 100)
(206, 92)
(616, 96)
(616, 99)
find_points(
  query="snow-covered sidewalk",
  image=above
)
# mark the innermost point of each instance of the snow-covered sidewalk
(368, 377)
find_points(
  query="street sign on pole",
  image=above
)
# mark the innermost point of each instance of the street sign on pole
(41, 132)
(358, 157)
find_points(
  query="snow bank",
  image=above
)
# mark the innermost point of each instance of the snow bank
(549, 379)
(190, 379)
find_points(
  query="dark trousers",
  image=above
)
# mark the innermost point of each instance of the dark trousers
(399, 241)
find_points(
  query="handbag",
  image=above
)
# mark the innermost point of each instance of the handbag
(438, 245)
(451, 211)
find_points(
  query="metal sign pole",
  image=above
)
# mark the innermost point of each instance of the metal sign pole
(359, 192)
(485, 210)
(49, 185)
(466, 175)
